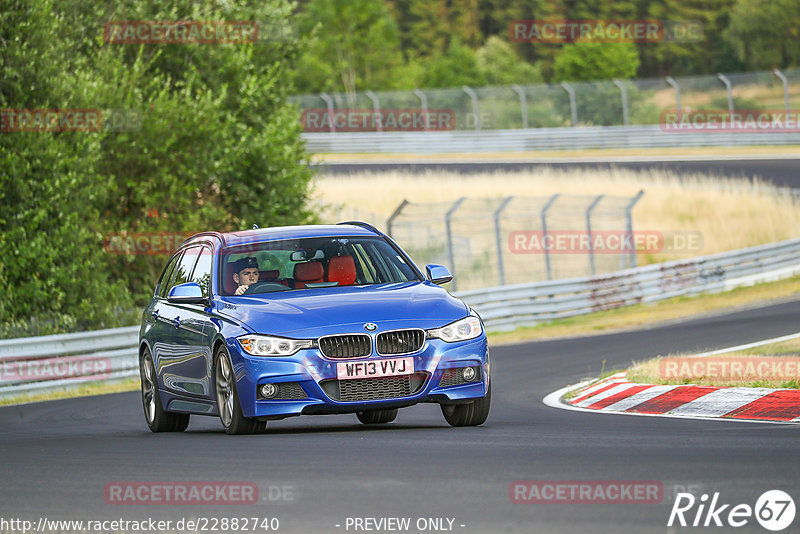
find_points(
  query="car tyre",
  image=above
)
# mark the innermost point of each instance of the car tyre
(471, 414)
(230, 409)
(158, 419)
(377, 417)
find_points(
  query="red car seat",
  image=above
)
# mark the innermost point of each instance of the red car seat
(342, 269)
(308, 272)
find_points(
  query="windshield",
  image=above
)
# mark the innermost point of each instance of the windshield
(310, 263)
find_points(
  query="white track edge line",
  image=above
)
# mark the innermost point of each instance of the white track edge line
(746, 346)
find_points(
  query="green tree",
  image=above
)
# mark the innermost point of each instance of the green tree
(585, 61)
(500, 65)
(765, 33)
(457, 67)
(354, 46)
(214, 145)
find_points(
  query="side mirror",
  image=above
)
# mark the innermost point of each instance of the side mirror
(189, 293)
(438, 274)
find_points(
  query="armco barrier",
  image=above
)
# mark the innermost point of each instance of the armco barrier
(34, 365)
(46, 363)
(533, 139)
(506, 307)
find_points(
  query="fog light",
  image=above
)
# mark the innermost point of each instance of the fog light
(268, 391)
(468, 373)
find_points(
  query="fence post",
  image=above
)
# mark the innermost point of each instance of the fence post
(589, 210)
(523, 104)
(624, 93)
(450, 252)
(394, 215)
(544, 234)
(785, 83)
(376, 109)
(573, 106)
(329, 101)
(474, 98)
(671, 81)
(497, 213)
(424, 102)
(729, 89)
(629, 230)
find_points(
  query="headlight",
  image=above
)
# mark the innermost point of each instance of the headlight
(461, 330)
(256, 345)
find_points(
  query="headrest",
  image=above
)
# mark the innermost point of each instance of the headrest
(268, 275)
(342, 269)
(228, 283)
(309, 271)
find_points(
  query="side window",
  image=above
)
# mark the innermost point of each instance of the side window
(163, 284)
(185, 266)
(202, 272)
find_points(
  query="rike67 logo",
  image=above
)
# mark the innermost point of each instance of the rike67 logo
(774, 510)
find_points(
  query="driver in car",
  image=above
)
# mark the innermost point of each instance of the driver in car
(245, 273)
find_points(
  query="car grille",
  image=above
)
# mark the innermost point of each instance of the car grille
(367, 389)
(346, 346)
(453, 377)
(400, 341)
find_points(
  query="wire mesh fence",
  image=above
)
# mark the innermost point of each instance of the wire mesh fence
(509, 240)
(602, 103)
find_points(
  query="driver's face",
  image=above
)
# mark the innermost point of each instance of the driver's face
(247, 277)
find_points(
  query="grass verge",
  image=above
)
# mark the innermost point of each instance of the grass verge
(85, 390)
(780, 361)
(638, 315)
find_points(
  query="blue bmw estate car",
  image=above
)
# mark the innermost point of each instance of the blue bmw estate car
(331, 319)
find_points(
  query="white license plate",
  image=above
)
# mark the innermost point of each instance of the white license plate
(375, 368)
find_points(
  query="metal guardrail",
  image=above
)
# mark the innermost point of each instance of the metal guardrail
(49, 363)
(34, 365)
(510, 306)
(533, 139)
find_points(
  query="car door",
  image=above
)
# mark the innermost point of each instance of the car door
(184, 355)
(160, 329)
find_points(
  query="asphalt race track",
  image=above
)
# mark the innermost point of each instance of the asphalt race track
(780, 171)
(315, 472)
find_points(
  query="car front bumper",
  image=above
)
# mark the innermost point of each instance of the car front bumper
(317, 376)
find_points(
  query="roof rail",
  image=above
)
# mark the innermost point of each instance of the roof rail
(362, 224)
(200, 234)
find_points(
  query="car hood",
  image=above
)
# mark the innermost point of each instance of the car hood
(310, 313)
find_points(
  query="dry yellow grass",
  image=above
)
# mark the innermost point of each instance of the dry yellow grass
(729, 214)
(86, 390)
(650, 372)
